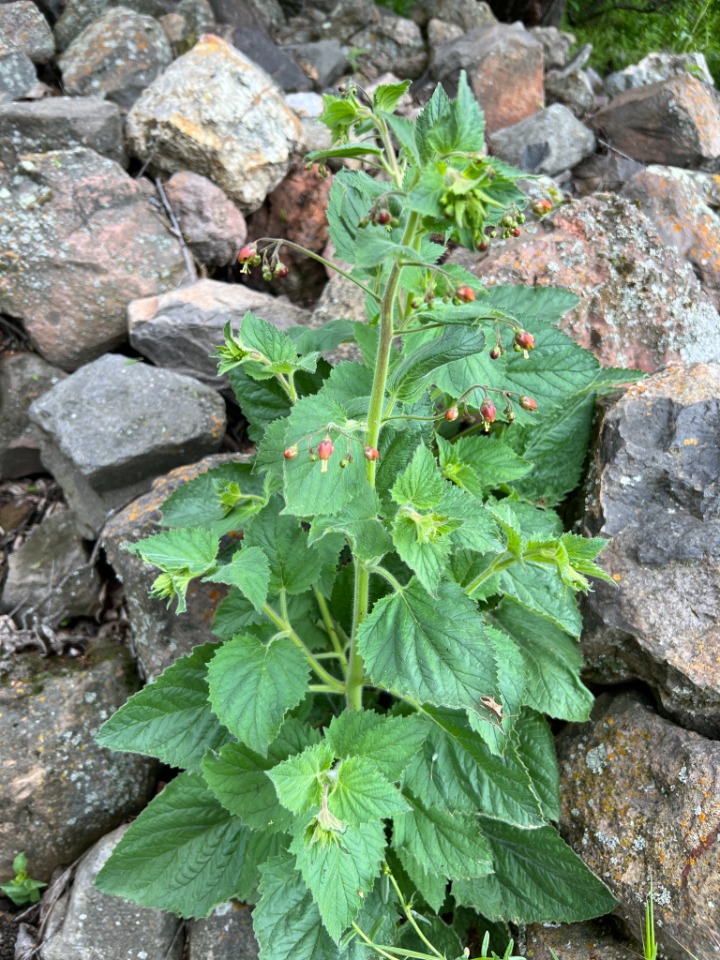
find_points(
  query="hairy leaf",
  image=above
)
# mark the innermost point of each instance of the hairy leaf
(249, 571)
(389, 742)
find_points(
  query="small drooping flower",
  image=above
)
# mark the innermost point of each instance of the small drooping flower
(465, 294)
(524, 340)
(371, 453)
(527, 403)
(291, 453)
(325, 450)
(488, 412)
(452, 413)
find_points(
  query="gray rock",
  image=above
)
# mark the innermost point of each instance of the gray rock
(215, 113)
(49, 577)
(604, 171)
(159, 635)
(59, 791)
(656, 67)
(263, 14)
(23, 378)
(226, 935)
(63, 123)
(556, 45)
(324, 62)
(392, 43)
(115, 424)
(198, 15)
(213, 227)
(96, 926)
(23, 26)
(280, 67)
(102, 246)
(347, 17)
(439, 32)
(17, 73)
(573, 90)
(656, 492)
(177, 330)
(641, 805)
(576, 941)
(79, 14)
(466, 14)
(116, 57)
(549, 142)
(307, 106)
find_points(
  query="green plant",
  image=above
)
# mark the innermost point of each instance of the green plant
(22, 889)
(364, 750)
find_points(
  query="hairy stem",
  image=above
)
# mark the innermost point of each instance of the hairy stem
(283, 625)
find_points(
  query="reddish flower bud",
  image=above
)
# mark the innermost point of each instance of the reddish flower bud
(482, 247)
(313, 454)
(383, 217)
(527, 403)
(281, 270)
(247, 253)
(516, 232)
(525, 340)
(452, 413)
(495, 353)
(465, 294)
(291, 453)
(371, 453)
(325, 451)
(487, 411)
(541, 207)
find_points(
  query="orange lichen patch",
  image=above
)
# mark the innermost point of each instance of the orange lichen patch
(195, 131)
(617, 577)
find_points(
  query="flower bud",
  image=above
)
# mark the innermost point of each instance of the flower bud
(291, 453)
(281, 270)
(527, 403)
(247, 253)
(312, 453)
(465, 294)
(452, 413)
(325, 451)
(525, 340)
(495, 353)
(383, 217)
(371, 453)
(488, 411)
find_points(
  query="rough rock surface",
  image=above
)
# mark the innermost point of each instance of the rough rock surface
(159, 635)
(603, 172)
(466, 14)
(215, 113)
(78, 241)
(655, 68)
(641, 306)
(79, 14)
(573, 89)
(505, 70)
(641, 804)
(59, 791)
(63, 123)
(548, 142)
(213, 227)
(116, 57)
(17, 73)
(683, 220)
(324, 61)
(676, 122)
(23, 26)
(276, 63)
(655, 491)
(575, 941)
(177, 330)
(226, 935)
(95, 926)
(392, 43)
(115, 424)
(23, 378)
(49, 577)
(556, 45)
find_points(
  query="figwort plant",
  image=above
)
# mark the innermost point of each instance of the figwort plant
(364, 750)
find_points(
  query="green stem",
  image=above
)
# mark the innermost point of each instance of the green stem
(322, 260)
(369, 942)
(386, 575)
(286, 628)
(408, 913)
(356, 669)
(329, 625)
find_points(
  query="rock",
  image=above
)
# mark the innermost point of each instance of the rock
(683, 220)
(116, 57)
(23, 378)
(159, 635)
(266, 15)
(656, 67)
(78, 241)
(23, 26)
(49, 577)
(212, 225)
(79, 14)
(640, 305)
(60, 792)
(62, 123)
(96, 926)
(575, 941)
(115, 424)
(439, 32)
(548, 142)
(177, 330)
(573, 89)
(226, 935)
(641, 804)
(606, 172)
(348, 17)
(17, 73)
(391, 43)
(216, 113)
(198, 15)
(655, 489)
(280, 67)
(324, 62)
(306, 105)
(505, 69)
(556, 45)
(466, 14)
(675, 122)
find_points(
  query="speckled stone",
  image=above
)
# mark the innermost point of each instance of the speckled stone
(23, 26)
(79, 14)
(116, 57)
(17, 73)
(59, 791)
(547, 142)
(213, 111)
(78, 241)
(115, 424)
(226, 935)
(392, 43)
(576, 941)
(641, 805)
(213, 227)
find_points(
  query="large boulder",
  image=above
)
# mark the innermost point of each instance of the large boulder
(640, 304)
(59, 791)
(656, 492)
(214, 112)
(116, 57)
(641, 805)
(115, 424)
(79, 14)
(548, 142)
(656, 67)
(23, 26)
(675, 122)
(78, 241)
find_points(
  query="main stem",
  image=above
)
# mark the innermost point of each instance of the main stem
(355, 678)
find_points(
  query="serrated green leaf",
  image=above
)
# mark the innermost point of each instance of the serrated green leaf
(481, 463)
(162, 861)
(389, 742)
(540, 590)
(171, 718)
(533, 744)
(404, 131)
(293, 565)
(387, 96)
(537, 879)
(351, 196)
(450, 845)
(423, 543)
(237, 777)
(430, 648)
(340, 871)
(299, 780)
(423, 365)
(249, 571)
(432, 114)
(327, 337)
(264, 401)
(286, 921)
(253, 685)
(197, 504)
(359, 522)
(345, 152)
(421, 484)
(188, 550)
(431, 885)
(361, 794)
(440, 934)
(268, 350)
